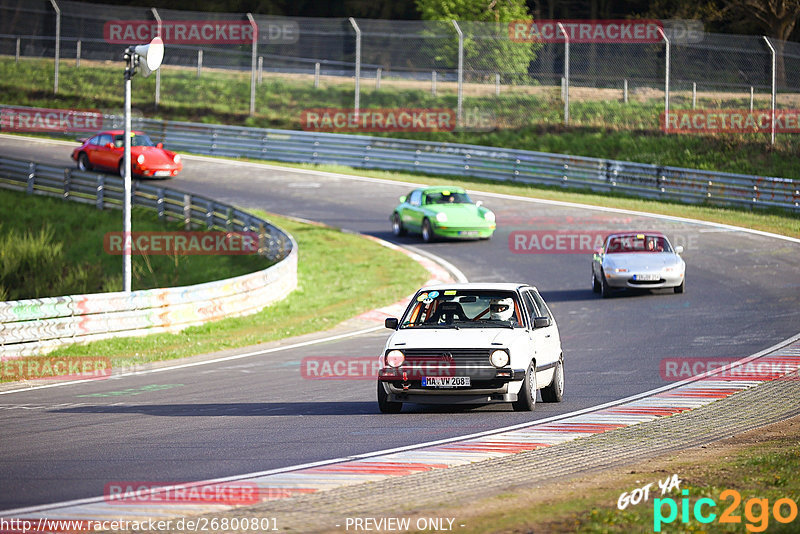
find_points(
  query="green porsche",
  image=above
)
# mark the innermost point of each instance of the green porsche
(440, 211)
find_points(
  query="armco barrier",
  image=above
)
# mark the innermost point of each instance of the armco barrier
(36, 326)
(501, 164)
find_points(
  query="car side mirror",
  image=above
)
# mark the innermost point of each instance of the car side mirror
(479, 203)
(403, 198)
(679, 249)
(109, 145)
(541, 322)
(159, 145)
(391, 322)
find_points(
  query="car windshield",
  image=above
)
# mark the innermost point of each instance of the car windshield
(451, 308)
(136, 140)
(637, 243)
(447, 197)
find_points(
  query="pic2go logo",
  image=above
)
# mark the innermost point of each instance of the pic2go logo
(756, 511)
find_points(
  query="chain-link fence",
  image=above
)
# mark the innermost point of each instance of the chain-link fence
(489, 76)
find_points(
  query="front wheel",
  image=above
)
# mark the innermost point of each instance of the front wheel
(397, 226)
(555, 391)
(427, 231)
(526, 400)
(122, 168)
(595, 283)
(680, 288)
(384, 404)
(605, 289)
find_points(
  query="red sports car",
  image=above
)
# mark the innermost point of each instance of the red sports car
(106, 150)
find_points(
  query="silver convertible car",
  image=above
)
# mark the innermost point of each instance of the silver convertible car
(643, 260)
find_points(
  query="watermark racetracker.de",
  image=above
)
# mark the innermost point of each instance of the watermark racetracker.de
(703, 121)
(576, 241)
(277, 31)
(21, 119)
(378, 120)
(728, 368)
(55, 368)
(180, 243)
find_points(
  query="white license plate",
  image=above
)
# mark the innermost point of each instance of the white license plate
(445, 381)
(468, 233)
(647, 277)
(161, 173)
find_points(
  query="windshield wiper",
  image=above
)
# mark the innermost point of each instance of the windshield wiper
(504, 324)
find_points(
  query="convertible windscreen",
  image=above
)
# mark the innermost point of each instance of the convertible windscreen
(637, 243)
(136, 140)
(464, 309)
(446, 197)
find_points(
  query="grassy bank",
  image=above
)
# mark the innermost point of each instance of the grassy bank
(340, 275)
(761, 465)
(62, 253)
(526, 119)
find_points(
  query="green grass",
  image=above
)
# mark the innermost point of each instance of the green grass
(764, 471)
(607, 129)
(340, 275)
(63, 254)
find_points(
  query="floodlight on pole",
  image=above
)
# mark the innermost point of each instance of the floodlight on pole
(146, 58)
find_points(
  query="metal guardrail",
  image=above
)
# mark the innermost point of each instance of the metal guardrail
(36, 326)
(501, 164)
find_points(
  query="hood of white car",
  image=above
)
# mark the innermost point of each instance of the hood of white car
(450, 338)
(642, 260)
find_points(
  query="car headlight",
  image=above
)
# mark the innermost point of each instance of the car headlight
(499, 358)
(395, 358)
(489, 216)
(441, 217)
(177, 158)
(140, 159)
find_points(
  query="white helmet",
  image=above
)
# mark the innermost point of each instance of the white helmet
(501, 309)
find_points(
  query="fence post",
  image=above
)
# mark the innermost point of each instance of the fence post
(158, 71)
(67, 180)
(751, 98)
(253, 65)
(31, 177)
(187, 211)
(58, 44)
(496, 84)
(625, 90)
(101, 191)
(199, 62)
(358, 65)
(16, 54)
(260, 69)
(160, 203)
(566, 74)
(210, 214)
(316, 75)
(666, 75)
(433, 83)
(460, 73)
(694, 95)
(378, 78)
(772, 99)
(78, 55)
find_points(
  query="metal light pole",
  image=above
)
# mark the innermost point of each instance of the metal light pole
(145, 58)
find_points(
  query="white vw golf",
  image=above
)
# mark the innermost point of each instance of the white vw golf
(472, 344)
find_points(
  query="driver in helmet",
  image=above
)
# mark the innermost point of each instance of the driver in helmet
(501, 309)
